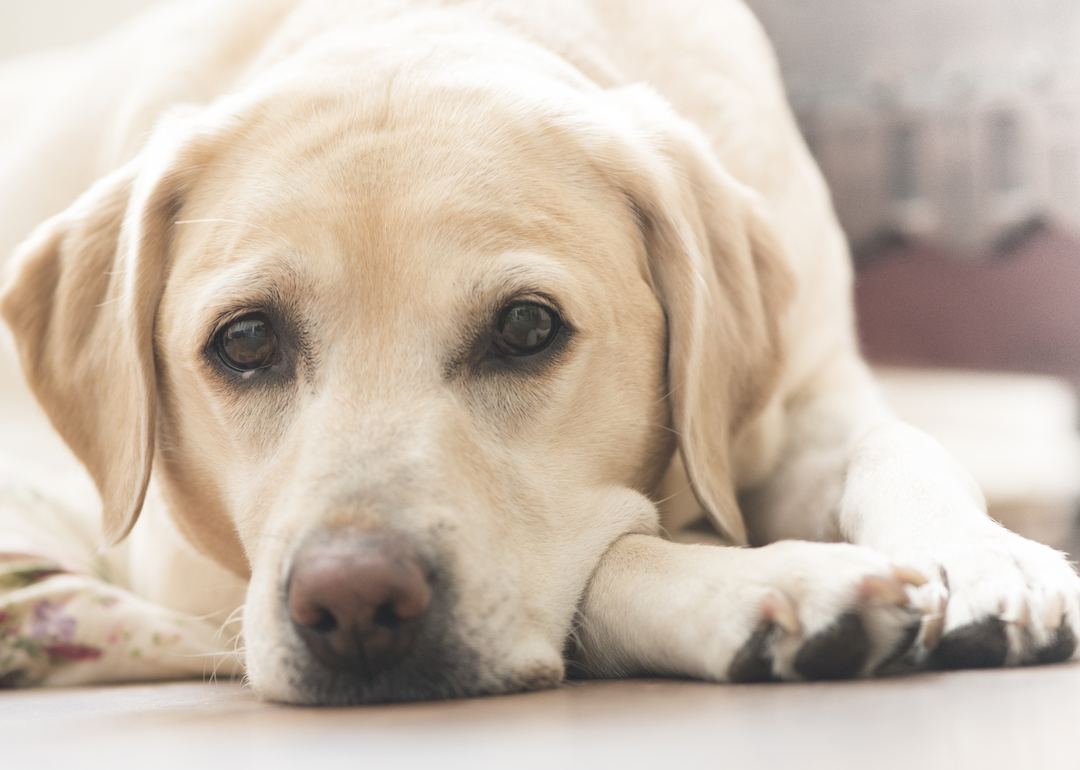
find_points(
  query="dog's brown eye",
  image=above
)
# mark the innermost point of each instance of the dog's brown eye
(248, 343)
(525, 328)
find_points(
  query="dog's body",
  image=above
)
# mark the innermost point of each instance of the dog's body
(379, 191)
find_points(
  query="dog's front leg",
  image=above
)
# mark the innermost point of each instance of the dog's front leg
(853, 472)
(791, 610)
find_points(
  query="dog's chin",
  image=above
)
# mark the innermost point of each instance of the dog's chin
(314, 685)
(441, 666)
(415, 678)
(458, 673)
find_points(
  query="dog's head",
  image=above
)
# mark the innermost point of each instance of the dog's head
(412, 353)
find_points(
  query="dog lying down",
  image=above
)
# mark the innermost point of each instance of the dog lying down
(443, 335)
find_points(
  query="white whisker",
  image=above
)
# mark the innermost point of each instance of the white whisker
(252, 225)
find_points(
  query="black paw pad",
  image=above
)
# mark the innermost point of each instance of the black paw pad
(977, 645)
(838, 652)
(753, 663)
(1061, 648)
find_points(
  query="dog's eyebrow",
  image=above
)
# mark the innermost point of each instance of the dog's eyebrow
(523, 273)
(256, 279)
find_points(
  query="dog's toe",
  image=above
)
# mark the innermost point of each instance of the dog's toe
(976, 645)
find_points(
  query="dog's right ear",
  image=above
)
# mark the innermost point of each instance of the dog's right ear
(81, 301)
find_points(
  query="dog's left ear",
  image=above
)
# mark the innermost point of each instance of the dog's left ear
(723, 281)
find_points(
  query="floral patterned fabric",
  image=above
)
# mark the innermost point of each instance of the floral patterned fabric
(63, 623)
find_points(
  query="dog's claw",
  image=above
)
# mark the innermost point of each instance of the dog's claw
(934, 623)
(1054, 612)
(1020, 615)
(908, 576)
(778, 609)
(884, 590)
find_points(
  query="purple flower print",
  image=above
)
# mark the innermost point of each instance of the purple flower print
(50, 621)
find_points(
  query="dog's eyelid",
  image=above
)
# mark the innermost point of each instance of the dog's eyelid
(224, 315)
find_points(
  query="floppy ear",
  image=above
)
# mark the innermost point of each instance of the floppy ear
(81, 301)
(724, 283)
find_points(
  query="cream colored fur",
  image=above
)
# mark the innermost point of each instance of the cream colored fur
(385, 174)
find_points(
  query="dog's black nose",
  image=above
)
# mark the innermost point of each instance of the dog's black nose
(358, 599)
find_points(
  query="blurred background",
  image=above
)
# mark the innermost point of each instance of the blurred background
(949, 132)
(27, 26)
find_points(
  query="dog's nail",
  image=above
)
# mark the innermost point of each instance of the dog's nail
(1054, 612)
(934, 622)
(883, 589)
(777, 608)
(1019, 615)
(933, 625)
(931, 602)
(908, 576)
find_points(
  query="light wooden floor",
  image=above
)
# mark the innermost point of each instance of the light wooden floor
(1020, 718)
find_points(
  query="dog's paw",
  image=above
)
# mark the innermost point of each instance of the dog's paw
(1011, 602)
(834, 611)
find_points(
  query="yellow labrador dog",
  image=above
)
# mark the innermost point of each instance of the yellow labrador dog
(438, 330)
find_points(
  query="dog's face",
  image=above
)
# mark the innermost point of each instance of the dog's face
(392, 283)
(414, 362)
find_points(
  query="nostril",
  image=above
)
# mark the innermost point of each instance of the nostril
(326, 623)
(386, 617)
